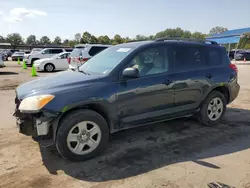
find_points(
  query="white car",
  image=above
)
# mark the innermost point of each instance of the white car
(57, 62)
(83, 52)
(45, 53)
(34, 50)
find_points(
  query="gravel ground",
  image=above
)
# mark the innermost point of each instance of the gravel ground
(174, 154)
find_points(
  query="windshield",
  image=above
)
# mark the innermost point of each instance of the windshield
(76, 52)
(106, 60)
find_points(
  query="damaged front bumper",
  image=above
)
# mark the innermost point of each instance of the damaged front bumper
(35, 125)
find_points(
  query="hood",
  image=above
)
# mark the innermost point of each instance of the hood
(55, 83)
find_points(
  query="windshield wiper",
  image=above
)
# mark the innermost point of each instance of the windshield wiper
(86, 73)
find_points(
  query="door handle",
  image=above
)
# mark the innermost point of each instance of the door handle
(167, 82)
(209, 76)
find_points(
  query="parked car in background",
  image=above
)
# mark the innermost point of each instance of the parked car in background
(83, 52)
(45, 53)
(243, 54)
(4, 57)
(17, 55)
(1, 61)
(126, 86)
(33, 51)
(68, 49)
(56, 62)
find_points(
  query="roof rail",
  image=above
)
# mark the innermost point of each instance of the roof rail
(185, 39)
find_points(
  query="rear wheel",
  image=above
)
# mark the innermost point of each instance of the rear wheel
(81, 135)
(213, 108)
(49, 67)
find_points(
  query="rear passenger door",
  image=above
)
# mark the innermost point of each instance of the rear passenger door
(61, 63)
(189, 77)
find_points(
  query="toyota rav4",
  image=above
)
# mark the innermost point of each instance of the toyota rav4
(125, 86)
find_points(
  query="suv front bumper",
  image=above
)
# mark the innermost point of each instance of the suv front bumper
(35, 125)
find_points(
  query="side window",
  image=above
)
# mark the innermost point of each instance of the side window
(213, 56)
(151, 61)
(56, 51)
(95, 50)
(64, 56)
(187, 58)
(46, 51)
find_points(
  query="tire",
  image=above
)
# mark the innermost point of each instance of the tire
(66, 147)
(49, 67)
(205, 114)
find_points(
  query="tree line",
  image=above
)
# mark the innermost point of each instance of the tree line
(16, 39)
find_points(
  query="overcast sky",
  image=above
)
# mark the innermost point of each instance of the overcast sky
(125, 17)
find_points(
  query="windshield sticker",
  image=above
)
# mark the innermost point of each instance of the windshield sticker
(123, 49)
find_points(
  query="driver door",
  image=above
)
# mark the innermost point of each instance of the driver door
(148, 98)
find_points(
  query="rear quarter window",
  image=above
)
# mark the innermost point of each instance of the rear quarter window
(187, 57)
(96, 49)
(213, 56)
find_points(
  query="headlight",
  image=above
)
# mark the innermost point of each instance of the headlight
(35, 103)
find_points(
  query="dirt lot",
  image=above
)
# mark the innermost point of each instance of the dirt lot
(175, 154)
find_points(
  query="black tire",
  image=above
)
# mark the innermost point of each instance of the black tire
(203, 114)
(46, 67)
(70, 120)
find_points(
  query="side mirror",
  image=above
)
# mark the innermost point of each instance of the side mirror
(130, 73)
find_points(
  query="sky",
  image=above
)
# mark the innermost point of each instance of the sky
(65, 18)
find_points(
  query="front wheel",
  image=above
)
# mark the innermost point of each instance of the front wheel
(213, 108)
(49, 67)
(81, 135)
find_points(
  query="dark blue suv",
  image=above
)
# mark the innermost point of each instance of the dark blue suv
(125, 86)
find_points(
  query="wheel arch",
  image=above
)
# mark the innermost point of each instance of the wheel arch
(222, 88)
(34, 59)
(97, 107)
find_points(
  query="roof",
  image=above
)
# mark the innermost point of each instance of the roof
(182, 41)
(133, 44)
(84, 45)
(230, 36)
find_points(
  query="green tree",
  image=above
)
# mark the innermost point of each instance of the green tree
(198, 35)
(86, 37)
(151, 37)
(31, 39)
(141, 37)
(14, 39)
(45, 40)
(93, 40)
(72, 43)
(2, 39)
(106, 40)
(117, 39)
(57, 40)
(217, 30)
(66, 42)
(127, 39)
(186, 34)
